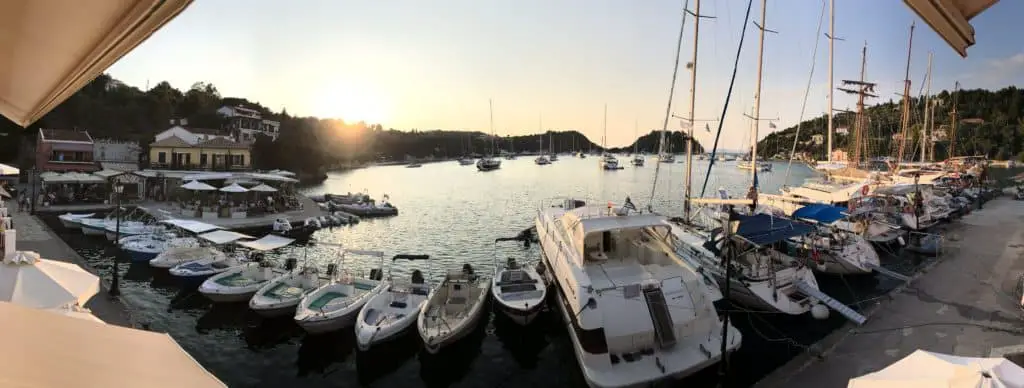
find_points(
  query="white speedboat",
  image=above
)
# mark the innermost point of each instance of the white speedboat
(335, 305)
(279, 297)
(488, 164)
(73, 221)
(193, 273)
(453, 309)
(240, 283)
(637, 313)
(130, 228)
(391, 312)
(94, 226)
(667, 158)
(518, 289)
(178, 255)
(638, 160)
(146, 247)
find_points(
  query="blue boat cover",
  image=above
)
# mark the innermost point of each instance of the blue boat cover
(763, 229)
(822, 213)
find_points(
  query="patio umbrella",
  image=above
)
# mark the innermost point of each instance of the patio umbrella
(234, 188)
(928, 369)
(198, 186)
(27, 280)
(264, 188)
(4, 193)
(76, 312)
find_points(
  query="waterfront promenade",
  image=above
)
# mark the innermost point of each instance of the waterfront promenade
(34, 235)
(966, 304)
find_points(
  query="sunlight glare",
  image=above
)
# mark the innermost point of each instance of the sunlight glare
(350, 103)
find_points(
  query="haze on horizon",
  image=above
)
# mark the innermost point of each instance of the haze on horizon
(434, 65)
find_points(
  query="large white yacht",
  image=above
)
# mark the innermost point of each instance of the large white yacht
(636, 312)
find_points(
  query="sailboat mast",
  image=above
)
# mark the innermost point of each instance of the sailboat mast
(490, 108)
(952, 123)
(905, 120)
(927, 112)
(636, 140)
(693, 94)
(757, 93)
(831, 83)
(604, 138)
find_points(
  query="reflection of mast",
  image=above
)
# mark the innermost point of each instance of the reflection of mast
(864, 89)
(905, 120)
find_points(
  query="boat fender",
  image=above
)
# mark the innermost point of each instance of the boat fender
(290, 263)
(819, 311)
(332, 269)
(376, 274)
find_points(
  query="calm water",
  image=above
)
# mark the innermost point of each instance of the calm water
(453, 213)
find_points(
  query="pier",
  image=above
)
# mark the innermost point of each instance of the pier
(967, 303)
(34, 235)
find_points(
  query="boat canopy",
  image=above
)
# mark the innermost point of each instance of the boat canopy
(596, 219)
(365, 253)
(267, 243)
(220, 237)
(763, 229)
(191, 226)
(822, 213)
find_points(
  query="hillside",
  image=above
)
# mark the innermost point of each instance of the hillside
(990, 123)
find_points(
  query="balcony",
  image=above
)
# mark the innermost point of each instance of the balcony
(198, 167)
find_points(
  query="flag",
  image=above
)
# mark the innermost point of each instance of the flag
(629, 204)
(707, 127)
(771, 125)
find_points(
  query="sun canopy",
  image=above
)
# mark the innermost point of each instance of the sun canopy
(951, 19)
(822, 213)
(52, 48)
(927, 369)
(191, 226)
(234, 188)
(70, 177)
(198, 186)
(270, 177)
(281, 172)
(208, 176)
(266, 243)
(59, 351)
(263, 188)
(763, 229)
(8, 170)
(30, 281)
(221, 237)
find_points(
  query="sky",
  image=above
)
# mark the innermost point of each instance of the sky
(413, 64)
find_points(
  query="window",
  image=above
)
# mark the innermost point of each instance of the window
(203, 158)
(188, 159)
(161, 157)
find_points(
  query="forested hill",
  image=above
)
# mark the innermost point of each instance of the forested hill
(676, 143)
(989, 123)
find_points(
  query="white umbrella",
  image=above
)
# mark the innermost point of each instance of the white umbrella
(264, 188)
(233, 188)
(198, 186)
(927, 369)
(27, 280)
(76, 312)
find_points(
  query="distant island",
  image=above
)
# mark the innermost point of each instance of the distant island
(108, 108)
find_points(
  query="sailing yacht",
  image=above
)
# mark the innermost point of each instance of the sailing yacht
(636, 312)
(541, 159)
(489, 162)
(638, 158)
(608, 161)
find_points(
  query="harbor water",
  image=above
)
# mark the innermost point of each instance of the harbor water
(453, 213)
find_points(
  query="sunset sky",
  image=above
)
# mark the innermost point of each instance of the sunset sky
(434, 64)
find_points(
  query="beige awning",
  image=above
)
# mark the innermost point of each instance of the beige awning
(52, 48)
(950, 19)
(43, 349)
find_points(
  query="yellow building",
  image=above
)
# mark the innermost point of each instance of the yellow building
(217, 154)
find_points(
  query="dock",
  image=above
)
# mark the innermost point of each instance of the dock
(34, 235)
(967, 303)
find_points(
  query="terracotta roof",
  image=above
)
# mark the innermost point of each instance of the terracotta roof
(64, 135)
(172, 141)
(202, 131)
(220, 142)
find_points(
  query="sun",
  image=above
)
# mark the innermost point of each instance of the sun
(351, 104)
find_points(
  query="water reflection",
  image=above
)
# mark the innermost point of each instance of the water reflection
(266, 333)
(524, 343)
(317, 352)
(138, 271)
(453, 362)
(226, 316)
(384, 358)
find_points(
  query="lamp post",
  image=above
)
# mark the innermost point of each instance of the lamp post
(32, 199)
(115, 289)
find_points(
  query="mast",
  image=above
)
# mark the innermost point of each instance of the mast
(952, 123)
(831, 83)
(864, 89)
(693, 93)
(757, 93)
(927, 109)
(490, 108)
(604, 138)
(636, 141)
(540, 131)
(905, 120)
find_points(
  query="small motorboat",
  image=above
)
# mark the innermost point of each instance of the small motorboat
(284, 228)
(113, 231)
(335, 305)
(73, 221)
(193, 273)
(179, 255)
(371, 209)
(93, 226)
(453, 309)
(280, 296)
(241, 283)
(146, 247)
(393, 311)
(519, 291)
(466, 161)
(414, 165)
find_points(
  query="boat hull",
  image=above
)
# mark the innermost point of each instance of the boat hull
(368, 336)
(274, 311)
(521, 316)
(225, 297)
(313, 325)
(90, 230)
(141, 256)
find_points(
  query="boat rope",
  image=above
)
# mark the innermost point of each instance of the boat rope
(728, 96)
(668, 107)
(807, 91)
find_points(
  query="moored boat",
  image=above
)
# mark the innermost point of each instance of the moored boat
(73, 221)
(336, 304)
(393, 311)
(453, 309)
(240, 283)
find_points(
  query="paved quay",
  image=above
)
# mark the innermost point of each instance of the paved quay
(34, 235)
(966, 304)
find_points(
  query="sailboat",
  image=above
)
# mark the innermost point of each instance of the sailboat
(541, 159)
(551, 147)
(467, 158)
(511, 154)
(489, 162)
(608, 162)
(638, 158)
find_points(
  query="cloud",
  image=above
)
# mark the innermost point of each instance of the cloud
(995, 72)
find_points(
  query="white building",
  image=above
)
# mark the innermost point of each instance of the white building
(818, 139)
(245, 123)
(117, 155)
(190, 135)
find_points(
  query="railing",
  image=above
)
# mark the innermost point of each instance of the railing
(199, 167)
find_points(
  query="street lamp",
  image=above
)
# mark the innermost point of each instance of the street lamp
(32, 199)
(115, 290)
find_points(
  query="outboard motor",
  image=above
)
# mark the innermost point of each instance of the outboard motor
(467, 269)
(417, 277)
(510, 263)
(290, 263)
(256, 257)
(332, 269)
(376, 274)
